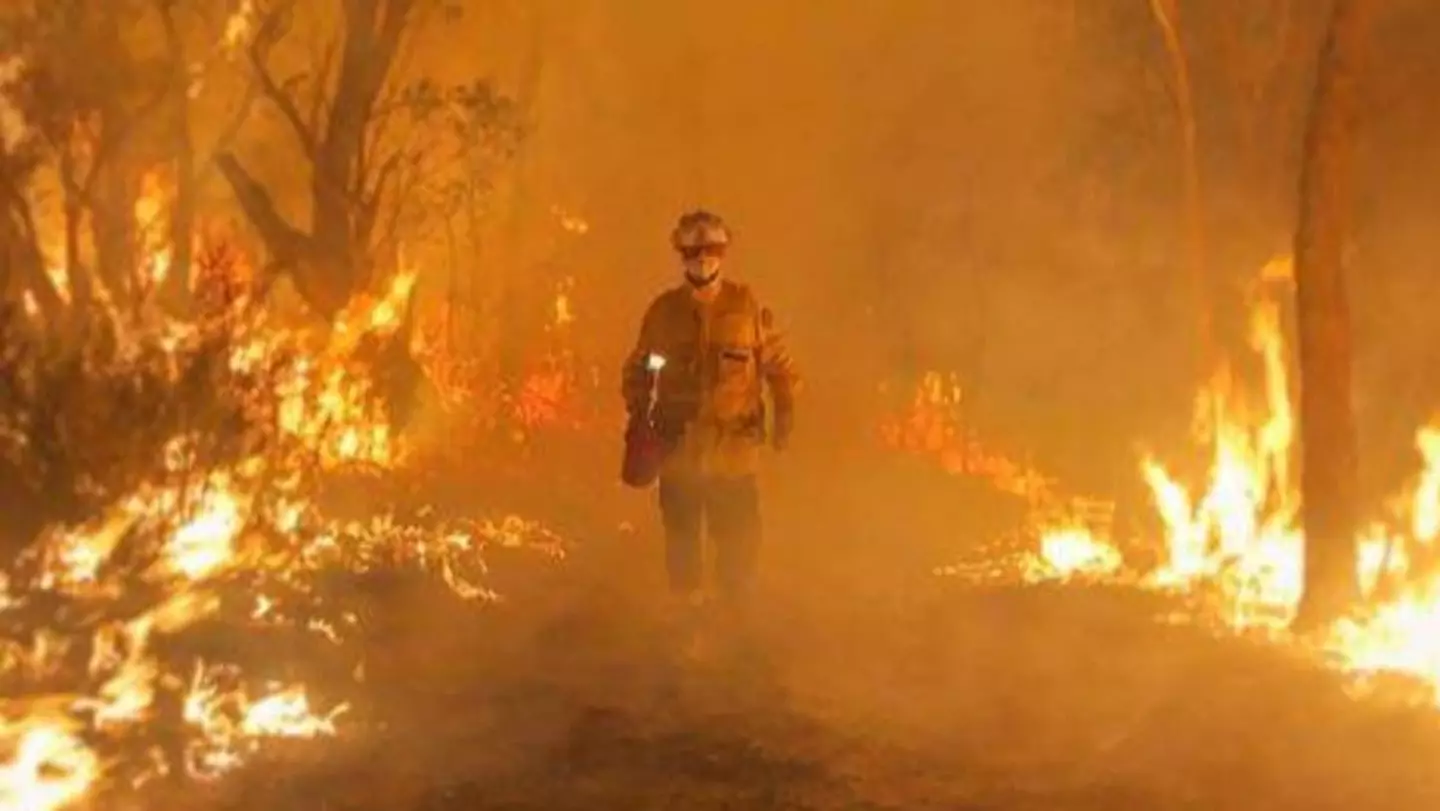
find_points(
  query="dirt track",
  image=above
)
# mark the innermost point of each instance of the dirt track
(873, 685)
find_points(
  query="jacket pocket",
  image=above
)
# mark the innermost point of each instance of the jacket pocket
(736, 393)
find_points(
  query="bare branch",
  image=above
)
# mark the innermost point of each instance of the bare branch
(374, 135)
(403, 61)
(403, 192)
(365, 64)
(322, 83)
(229, 132)
(382, 178)
(28, 243)
(286, 242)
(269, 32)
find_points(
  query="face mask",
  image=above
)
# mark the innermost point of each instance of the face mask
(702, 271)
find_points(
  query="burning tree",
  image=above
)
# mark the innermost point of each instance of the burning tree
(104, 165)
(383, 145)
(202, 533)
(77, 122)
(1327, 415)
(106, 200)
(373, 137)
(91, 152)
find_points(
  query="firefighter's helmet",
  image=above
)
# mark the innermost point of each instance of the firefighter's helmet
(700, 229)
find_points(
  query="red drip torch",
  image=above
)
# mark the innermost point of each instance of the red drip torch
(644, 447)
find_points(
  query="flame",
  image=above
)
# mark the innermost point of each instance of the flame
(1071, 552)
(548, 393)
(476, 399)
(173, 552)
(59, 276)
(239, 28)
(50, 768)
(150, 224)
(934, 425)
(234, 541)
(205, 543)
(1401, 636)
(1237, 538)
(54, 763)
(1072, 532)
(1425, 504)
(1239, 534)
(326, 401)
(234, 725)
(1233, 545)
(543, 397)
(384, 316)
(54, 754)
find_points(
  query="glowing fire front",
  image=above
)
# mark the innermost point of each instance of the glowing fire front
(1236, 540)
(96, 615)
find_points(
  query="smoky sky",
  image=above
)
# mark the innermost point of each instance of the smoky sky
(992, 189)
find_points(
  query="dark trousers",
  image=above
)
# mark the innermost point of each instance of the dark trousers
(726, 508)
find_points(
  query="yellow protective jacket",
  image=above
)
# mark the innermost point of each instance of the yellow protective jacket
(720, 356)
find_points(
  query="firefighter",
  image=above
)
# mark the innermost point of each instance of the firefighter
(706, 353)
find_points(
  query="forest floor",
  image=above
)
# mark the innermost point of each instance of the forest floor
(861, 681)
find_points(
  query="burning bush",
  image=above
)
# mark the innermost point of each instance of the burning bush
(86, 421)
(934, 425)
(1065, 527)
(173, 470)
(188, 456)
(545, 390)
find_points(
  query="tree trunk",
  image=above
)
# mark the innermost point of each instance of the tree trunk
(27, 260)
(291, 250)
(516, 286)
(10, 257)
(373, 30)
(175, 288)
(113, 180)
(330, 261)
(1328, 479)
(112, 229)
(1166, 15)
(77, 277)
